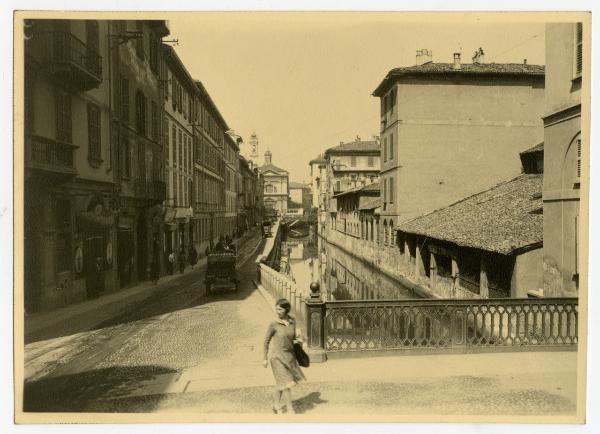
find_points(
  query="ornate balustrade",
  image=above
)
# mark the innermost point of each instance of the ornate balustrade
(455, 325)
(281, 286)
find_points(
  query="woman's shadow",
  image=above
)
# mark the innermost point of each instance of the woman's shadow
(308, 402)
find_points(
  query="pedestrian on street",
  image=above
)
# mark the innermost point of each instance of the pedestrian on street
(182, 260)
(154, 270)
(193, 256)
(98, 278)
(279, 351)
(171, 261)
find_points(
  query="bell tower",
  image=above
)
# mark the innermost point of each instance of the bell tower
(253, 146)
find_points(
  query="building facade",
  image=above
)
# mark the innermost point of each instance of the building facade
(93, 157)
(451, 129)
(180, 115)
(209, 211)
(348, 165)
(318, 171)
(562, 158)
(276, 192)
(138, 133)
(232, 164)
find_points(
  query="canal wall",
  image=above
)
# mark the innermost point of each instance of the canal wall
(391, 262)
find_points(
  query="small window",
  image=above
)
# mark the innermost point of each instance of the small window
(63, 117)
(353, 161)
(578, 159)
(94, 143)
(140, 119)
(384, 149)
(124, 99)
(578, 49)
(154, 121)
(391, 146)
(370, 162)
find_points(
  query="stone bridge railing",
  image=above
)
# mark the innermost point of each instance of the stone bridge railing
(280, 285)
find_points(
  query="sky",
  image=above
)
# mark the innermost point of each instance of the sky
(303, 81)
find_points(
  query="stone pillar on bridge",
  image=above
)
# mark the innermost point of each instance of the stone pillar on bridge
(315, 325)
(483, 279)
(293, 299)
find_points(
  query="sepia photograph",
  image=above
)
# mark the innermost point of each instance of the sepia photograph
(309, 216)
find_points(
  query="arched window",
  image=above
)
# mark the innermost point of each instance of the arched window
(572, 167)
(392, 243)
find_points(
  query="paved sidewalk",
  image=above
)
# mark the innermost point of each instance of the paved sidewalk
(87, 314)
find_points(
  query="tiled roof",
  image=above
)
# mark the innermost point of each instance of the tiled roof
(537, 148)
(298, 185)
(513, 69)
(371, 204)
(369, 189)
(503, 219)
(319, 159)
(355, 147)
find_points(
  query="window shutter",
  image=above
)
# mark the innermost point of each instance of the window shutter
(93, 132)
(579, 49)
(578, 158)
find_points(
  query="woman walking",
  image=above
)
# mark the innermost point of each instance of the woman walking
(279, 346)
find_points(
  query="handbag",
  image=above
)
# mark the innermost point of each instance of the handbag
(301, 356)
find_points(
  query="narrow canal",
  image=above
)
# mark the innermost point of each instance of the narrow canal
(341, 275)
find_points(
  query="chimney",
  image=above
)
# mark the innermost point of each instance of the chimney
(456, 64)
(524, 61)
(479, 56)
(424, 56)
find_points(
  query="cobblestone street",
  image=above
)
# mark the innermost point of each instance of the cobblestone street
(177, 350)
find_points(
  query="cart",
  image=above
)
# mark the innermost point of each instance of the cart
(220, 272)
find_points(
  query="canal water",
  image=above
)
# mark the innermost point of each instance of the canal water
(341, 276)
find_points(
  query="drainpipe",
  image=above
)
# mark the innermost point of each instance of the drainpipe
(110, 113)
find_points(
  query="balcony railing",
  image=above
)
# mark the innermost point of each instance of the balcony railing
(73, 62)
(50, 155)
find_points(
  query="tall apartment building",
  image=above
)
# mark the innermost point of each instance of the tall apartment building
(209, 171)
(563, 164)
(180, 118)
(231, 156)
(449, 130)
(136, 60)
(92, 176)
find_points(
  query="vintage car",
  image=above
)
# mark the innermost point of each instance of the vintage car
(220, 272)
(266, 230)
